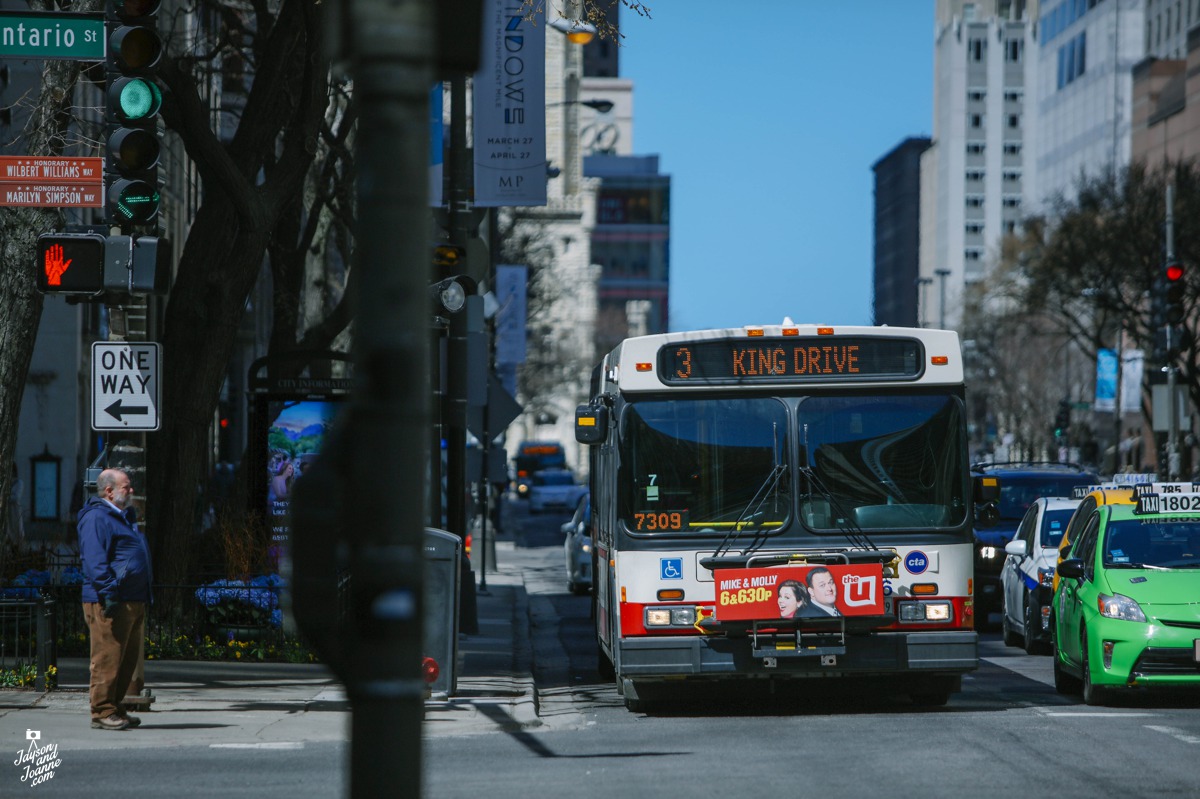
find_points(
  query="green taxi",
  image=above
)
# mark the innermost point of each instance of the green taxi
(1126, 613)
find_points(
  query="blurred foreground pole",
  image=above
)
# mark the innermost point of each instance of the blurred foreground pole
(359, 515)
(393, 69)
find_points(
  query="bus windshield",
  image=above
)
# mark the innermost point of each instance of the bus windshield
(704, 465)
(883, 462)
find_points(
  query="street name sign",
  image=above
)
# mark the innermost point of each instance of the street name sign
(125, 386)
(56, 34)
(51, 169)
(52, 195)
(51, 181)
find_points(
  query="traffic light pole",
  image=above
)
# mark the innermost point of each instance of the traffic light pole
(1172, 410)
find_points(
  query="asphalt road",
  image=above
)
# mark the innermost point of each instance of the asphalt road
(1008, 734)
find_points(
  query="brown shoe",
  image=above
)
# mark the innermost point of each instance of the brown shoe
(113, 722)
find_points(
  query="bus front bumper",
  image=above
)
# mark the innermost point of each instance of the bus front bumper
(879, 654)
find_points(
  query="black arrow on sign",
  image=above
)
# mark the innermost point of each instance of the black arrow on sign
(116, 409)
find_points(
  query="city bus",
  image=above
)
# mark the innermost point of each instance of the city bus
(783, 502)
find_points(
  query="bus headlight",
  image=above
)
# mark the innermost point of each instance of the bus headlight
(926, 611)
(671, 617)
(658, 617)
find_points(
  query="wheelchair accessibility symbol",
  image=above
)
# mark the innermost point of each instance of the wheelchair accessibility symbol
(670, 568)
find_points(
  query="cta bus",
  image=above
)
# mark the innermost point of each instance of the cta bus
(783, 502)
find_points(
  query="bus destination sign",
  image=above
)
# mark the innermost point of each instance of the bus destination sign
(791, 359)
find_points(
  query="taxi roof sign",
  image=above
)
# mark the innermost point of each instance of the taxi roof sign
(1168, 503)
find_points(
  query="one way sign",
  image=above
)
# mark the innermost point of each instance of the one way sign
(125, 390)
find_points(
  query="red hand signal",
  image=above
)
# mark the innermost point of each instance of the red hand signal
(55, 265)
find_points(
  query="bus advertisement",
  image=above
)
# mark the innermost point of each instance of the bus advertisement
(783, 502)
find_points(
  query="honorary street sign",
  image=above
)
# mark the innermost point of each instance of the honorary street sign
(51, 169)
(125, 388)
(55, 34)
(52, 195)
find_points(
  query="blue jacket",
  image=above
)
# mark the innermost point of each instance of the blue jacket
(116, 559)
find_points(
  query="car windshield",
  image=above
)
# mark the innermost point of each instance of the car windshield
(703, 465)
(1054, 524)
(1152, 543)
(1018, 492)
(884, 462)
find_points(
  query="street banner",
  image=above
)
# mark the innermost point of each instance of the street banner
(1106, 380)
(1132, 367)
(510, 318)
(509, 95)
(437, 138)
(798, 592)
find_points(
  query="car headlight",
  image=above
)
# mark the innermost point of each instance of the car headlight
(1120, 607)
(1046, 577)
(987, 553)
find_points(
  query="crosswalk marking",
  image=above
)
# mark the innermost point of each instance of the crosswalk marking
(1174, 732)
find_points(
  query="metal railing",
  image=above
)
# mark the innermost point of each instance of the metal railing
(28, 636)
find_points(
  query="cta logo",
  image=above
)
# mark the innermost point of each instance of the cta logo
(916, 562)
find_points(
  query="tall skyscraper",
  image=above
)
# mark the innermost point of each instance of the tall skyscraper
(897, 239)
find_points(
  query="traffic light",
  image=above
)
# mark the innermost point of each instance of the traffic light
(1176, 282)
(137, 265)
(70, 263)
(132, 103)
(1062, 419)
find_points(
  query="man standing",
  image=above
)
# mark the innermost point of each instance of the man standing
(822, 594)
(116, 591)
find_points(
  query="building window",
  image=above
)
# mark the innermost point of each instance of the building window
(973, 254)
(974, 201)
(974, 148)
(1011, 202)
(977, 49)
(1013, 50)
(1010, 226)
(1014, 120)
(1014, 97)
(977, 120)
(975, 175)
(1012, 148)
(976, 95)
(974, 227)
(1012, 176)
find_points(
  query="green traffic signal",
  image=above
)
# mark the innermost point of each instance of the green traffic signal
(134, 99)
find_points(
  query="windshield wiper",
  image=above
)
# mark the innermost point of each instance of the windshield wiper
(850, 529)
(751, 516)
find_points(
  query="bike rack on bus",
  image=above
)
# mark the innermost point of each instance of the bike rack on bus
(823, 638)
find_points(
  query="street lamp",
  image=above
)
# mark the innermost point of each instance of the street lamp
(942, 275)
(601, 106)
(923, 283)
(576, 31)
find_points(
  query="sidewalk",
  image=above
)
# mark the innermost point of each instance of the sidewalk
(223, 703)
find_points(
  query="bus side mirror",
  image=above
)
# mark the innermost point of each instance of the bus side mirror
(987, 515)
(591, 424)
(986, 489)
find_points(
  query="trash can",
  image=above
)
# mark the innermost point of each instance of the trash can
(443, 554)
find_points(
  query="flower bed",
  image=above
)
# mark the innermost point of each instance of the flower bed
(252, 603)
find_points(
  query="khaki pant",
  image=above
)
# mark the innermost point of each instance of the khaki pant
(116, 650)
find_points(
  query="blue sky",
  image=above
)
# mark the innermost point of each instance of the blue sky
(768, 115)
